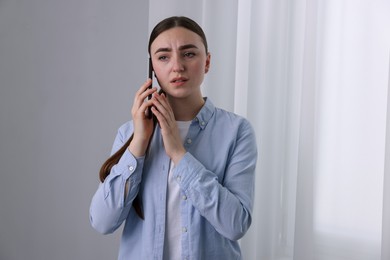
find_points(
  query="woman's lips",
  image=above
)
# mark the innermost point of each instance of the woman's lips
(179, 81)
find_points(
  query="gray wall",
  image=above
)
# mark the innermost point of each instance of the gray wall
(68, 72)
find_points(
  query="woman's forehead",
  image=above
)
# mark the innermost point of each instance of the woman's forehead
(176, 37)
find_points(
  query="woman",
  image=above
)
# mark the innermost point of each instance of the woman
(183, 186)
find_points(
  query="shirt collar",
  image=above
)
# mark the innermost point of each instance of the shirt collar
(205, 114)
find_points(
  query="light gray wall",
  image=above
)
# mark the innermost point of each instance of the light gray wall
(68, 72)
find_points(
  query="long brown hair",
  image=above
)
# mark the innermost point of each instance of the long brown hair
(166, 24)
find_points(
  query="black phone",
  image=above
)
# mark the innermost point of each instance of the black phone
(149, 114)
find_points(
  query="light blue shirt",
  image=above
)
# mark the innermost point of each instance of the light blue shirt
(216, 177)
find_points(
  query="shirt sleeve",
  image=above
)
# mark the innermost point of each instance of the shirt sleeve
(109, 207)
(227, 205)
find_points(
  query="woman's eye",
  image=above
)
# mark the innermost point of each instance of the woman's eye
(189, 54)
(163, 58)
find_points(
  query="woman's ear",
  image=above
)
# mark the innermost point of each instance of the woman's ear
(207, 67)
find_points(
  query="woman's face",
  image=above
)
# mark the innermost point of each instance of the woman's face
(180, 61)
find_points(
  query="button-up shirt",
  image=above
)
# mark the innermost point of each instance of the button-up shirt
(216, 179)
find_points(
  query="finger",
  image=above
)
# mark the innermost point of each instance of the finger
(140, 98)
(146, 93)
(142, 108)
(137, 100)
(160, 118)
(144, 86)
(163, 106)
(163, 101)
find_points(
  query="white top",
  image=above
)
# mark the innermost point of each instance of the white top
(173, 229)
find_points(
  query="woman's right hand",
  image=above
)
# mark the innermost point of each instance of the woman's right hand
(143, 126)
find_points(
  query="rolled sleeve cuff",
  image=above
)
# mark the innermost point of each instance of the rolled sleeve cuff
(129, 165)
(187, 171)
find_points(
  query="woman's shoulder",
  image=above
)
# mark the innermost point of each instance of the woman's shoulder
(230, 117)
(126, 129)
(221, 115)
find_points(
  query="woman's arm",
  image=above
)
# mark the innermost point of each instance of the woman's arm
(113, 199)
(109, 206)
(227, 205)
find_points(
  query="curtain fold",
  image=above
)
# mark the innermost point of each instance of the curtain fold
(242, 57)
(386, 186)
(304, 216)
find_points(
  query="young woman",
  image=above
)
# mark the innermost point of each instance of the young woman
(183, 183)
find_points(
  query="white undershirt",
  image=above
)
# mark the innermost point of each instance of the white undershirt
(173, 229)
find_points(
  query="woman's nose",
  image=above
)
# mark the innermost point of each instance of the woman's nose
(177, 65)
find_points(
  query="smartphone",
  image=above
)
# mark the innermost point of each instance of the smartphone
(150, 75)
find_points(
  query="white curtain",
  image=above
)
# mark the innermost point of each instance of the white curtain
(313, 77)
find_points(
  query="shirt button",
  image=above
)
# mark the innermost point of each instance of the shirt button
(178, 178)
(184, 197)
(203, 123)
(184, 229)
(189, 141)
(131, 168)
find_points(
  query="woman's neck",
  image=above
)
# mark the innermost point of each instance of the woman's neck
(186, 109)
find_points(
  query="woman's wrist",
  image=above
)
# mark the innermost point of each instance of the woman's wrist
(178, 156)
(137, 148)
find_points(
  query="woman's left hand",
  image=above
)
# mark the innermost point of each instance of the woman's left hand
(169, 130)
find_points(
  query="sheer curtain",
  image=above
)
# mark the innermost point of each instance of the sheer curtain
(313, 77)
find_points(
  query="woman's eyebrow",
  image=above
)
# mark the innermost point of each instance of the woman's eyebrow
(188, 46)
(162, 50)
(183, 47)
